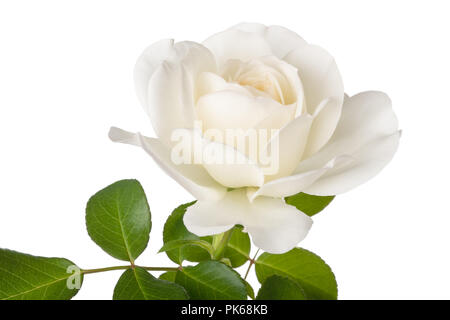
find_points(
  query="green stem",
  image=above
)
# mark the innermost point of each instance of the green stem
(88, 271)
(162, 268)
(220, 246)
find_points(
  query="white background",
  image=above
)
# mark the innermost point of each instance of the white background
(66, 77)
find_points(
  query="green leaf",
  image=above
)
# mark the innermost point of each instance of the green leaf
(212, 280)
(250, 291)
(280, 288)
(238, 248)
(138, 284)
(26, 277)
(176, 244)
(309, 204)
(174, 229)
(118, 219)
(168, 276)
(311, 272)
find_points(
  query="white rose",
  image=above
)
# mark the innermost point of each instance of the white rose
(256, 77)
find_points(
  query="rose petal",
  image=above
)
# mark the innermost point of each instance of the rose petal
(286, 148)
(280, 39)
(168, 82)
(321, 80)
(273, 225)
(147, 63)
(192, 177)
(319, 74)
(210, 217)
(367, 122)
(293, 92)
(231, 168)
(294, 184)
(323, 125)
(233, 110)
(237, 44)
(209, 82)
(368, 161)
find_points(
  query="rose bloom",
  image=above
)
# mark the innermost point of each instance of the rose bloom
(253, 77)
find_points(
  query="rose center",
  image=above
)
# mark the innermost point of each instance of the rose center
(266, 83)
(262, 77)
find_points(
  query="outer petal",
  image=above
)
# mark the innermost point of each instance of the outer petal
(321, 80)
(280, 40)
(169, 85)
(193, 178)
(368, 133)
(147, 63)
(323, 125)
(294, 184)
(319, 74)
(287, 147)
(237, 44)
(210, 217)
(273, 225)
(369, 161)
